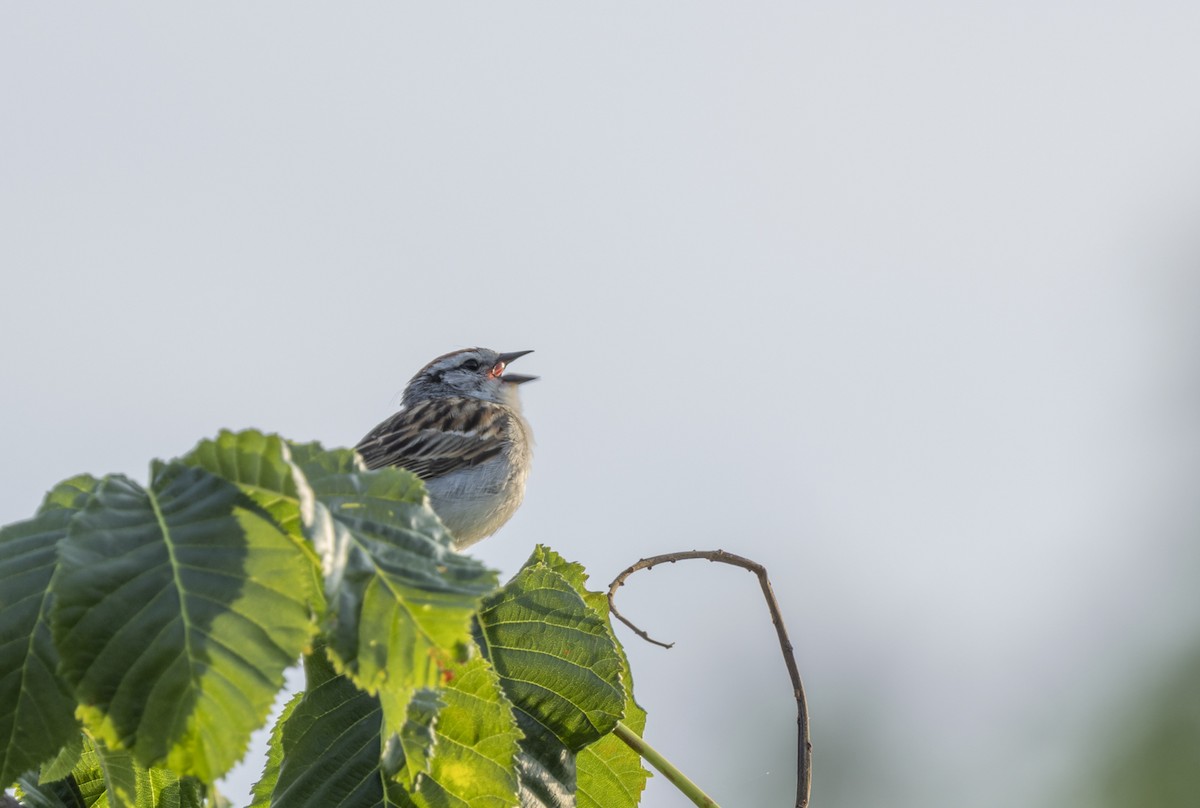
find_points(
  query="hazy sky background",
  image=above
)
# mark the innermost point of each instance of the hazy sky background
(899, 300)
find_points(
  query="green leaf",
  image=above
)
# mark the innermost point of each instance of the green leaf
(545, 767)
(262, 467)
(104, 778)
(331, 748)
(66, 793)
(554, 655)
(259, 464)
(62, 763)
(609, 774)
(177, 609)
(120, 776)
(399, 599)
(409, 752)
(37, 708)
(71, 494)
(262, 790)
(561, 668)
(474, 742)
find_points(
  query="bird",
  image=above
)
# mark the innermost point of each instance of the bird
(460, 429)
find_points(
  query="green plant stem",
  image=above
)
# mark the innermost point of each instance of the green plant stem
(677, 778)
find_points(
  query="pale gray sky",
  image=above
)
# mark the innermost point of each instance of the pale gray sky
(897, 299)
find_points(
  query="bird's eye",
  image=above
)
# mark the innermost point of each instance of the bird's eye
(471, 364)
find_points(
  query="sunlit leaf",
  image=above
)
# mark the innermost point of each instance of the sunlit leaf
(120, 776)
(258, 464)
(177, 609)
(474, 742)
(70, 495)
(399, 599)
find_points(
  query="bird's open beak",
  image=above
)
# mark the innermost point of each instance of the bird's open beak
(514, 378)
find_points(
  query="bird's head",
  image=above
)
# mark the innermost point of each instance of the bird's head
(471, 373)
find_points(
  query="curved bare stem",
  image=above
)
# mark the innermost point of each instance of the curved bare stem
(804, 743)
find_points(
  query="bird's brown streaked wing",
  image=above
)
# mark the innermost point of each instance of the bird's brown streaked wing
(437, 437)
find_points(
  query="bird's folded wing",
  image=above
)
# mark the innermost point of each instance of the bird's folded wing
(437, 437)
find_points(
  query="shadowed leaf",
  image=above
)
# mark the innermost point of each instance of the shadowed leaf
(37, 708)
(106, 778)
(62, 763)
(560, 666)
(265, 787)
(609, 774)
(331, 748)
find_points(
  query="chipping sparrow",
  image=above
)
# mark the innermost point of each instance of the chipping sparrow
(460, 429)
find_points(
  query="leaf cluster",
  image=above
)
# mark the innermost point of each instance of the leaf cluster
(145, 632)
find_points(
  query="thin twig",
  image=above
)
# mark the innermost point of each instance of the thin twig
(804, 744)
